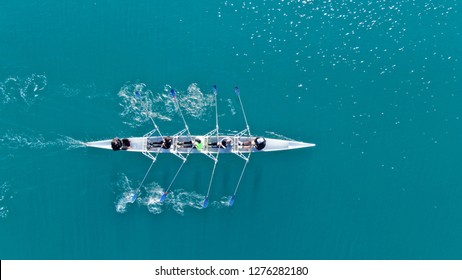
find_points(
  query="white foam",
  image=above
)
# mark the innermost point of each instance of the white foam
(139, 103)
(15, 140)
(124, 187)
(4, 198)
(25, 89)
(195, 103)
(178, 200)
(231, 106)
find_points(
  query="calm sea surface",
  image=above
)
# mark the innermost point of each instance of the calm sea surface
(375, 84)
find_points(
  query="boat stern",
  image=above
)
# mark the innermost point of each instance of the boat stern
(103, 144)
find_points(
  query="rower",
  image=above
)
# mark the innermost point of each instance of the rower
(116, 144)
(246, 144)
(167, 142)
(186, 144)
(125, 144)
(224, 143)
(258, 143)
(197, 144)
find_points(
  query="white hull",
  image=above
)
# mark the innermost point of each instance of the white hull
(140, 144)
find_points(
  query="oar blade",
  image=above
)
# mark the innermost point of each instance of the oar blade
(164, 196)
(231, 201)
(206, 203)
(134, 197)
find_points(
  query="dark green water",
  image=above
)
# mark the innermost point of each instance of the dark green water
(375, 84)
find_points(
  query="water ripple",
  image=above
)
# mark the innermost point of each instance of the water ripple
(26, 89)
(5, 196)
(178, 200)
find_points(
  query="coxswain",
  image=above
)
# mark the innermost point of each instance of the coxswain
(259, 143)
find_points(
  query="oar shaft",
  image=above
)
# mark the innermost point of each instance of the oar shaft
(146, 175)
(215, 91)
(242, 173)
(174, 178)
(184, 121)
(242, 108)
(211, 177)
(181, 112)
(155, 125)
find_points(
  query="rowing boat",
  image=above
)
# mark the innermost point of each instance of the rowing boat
(143, 144)
(183, 144)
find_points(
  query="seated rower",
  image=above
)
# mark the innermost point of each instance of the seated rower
(157, 144)
(117, 144)
(258, 143)
(197, 144)
(167, 143)
(186, 144)
(246, 144)
(126, 144)
(223, 144)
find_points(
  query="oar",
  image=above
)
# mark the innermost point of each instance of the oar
(231, 201)
(138, 191)
(135, 196)
(139, 187)
(246, 158)
(206, 201)
(238, 93)
(164, 196)
(173, 92)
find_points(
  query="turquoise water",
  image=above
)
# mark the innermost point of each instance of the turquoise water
(375, 84)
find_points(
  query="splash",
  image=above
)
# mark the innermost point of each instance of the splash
(25, 89)
(179, 200)
(139, 104)
(152, 198)
(5, 196)
(67, 91)
(126, 192)
(195, 103)
(223, 202)
(231, 106)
